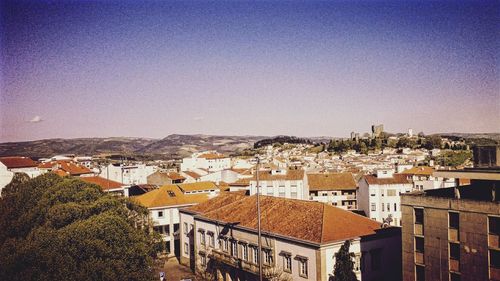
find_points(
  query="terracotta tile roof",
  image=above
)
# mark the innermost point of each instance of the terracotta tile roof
(217, 202)
(168, 175)
(66, 166)
(299, 219)
(419, 171)
(192, 174)
(331, 181)
(210, 156)
(74, 169)
(175, 176)
(14, 162)
(241, 171)
(197, 186)
(168, 195)
(241, 182)
(395, 179)
(290, 175)
(60, 173)
(105, 184)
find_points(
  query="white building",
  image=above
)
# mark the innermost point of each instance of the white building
(210, 161)
(11, 165)
(281, 183)
(127, 174)
(300, 239)
(379, 195)
(164, 204)
(423, 178)
(337, 189)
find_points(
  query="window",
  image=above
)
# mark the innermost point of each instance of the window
(376, 256)
(255, 255)
(494, 258)
(419, 273)
(293, 195)
(494, 225)
(382, 207)
(211, 239)
(419, 216)
(373, 194)
(244, 251)
(186, 228)
(225, 244)
(454, 276)
(419, 244)
(234, 249)
(203, 259)
(455, 251)
(388, 207)
(303, 268)
(357, 262)
(395, 207)
(160, 214)
(202, 237)
(374, 207)
(186, 248)
(268, 256)
(453, 220)
(287, 262)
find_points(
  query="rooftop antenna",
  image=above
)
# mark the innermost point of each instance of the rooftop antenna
(259, 234)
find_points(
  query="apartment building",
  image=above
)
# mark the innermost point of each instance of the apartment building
(164, 204)
(209, 160)
(379, 195)
(127, 174)
(423, 178)
(281, 183)
(453, 233)
(337, 189)
(299, 240)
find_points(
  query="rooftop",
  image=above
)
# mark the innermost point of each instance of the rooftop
(331, 181)
(105, 184)
(303, 220)
(14, 162)
(395, 179)
(169, 195)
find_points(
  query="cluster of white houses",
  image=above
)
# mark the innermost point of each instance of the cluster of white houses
(206, 212)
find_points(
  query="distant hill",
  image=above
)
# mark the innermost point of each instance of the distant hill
(170, 146)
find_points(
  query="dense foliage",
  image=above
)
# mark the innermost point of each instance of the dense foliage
(344, 265)
(453, 158)
(54, 228)
(281, 140)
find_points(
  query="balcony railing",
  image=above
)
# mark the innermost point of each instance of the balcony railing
(227, 259)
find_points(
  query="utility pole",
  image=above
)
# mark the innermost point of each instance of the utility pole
(259, 234)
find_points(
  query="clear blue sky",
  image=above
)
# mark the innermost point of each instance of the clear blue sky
(305, 68)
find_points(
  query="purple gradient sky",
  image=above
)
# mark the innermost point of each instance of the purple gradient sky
(114, 68)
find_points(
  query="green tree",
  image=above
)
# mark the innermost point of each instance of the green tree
(54, 228)
(344, 265)
(363, 148)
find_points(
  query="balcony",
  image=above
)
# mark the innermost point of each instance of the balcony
(239, 263)
(419, 258)
(350, 197)
(454, 265)
(493, 241)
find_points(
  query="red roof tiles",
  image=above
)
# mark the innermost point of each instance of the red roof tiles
(17, 162)
(395, 179)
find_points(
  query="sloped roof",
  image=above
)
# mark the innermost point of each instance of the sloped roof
(14, 162)
(105, 184)
(300, 219)
(168, 175)
(241, 182)
(395, 179)
(197, 186)
(168, 195)
(210, 156)
(192, 174)
(66, 166)
(290, 175)
(331, 181)
(420, 171)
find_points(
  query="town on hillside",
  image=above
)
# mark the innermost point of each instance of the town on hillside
(408, 206)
